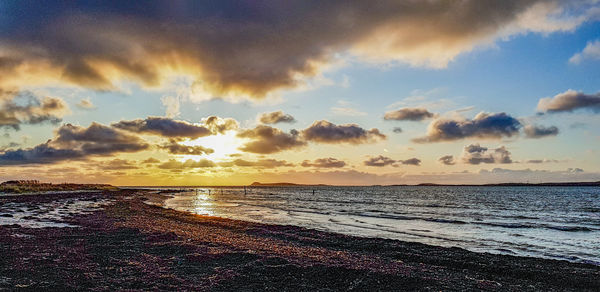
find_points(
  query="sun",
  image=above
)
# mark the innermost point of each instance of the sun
(223, 146)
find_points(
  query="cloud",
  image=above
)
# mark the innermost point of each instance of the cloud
(538, 161)
(172, 105)
(590, 52)
(151, 160)
(174, 148)
(347, 111)
(261, 163)
(276, 117)
(116, 164)
(411, 161)
(397, 130)
(266, 140)
(176, 165)
(447, 160)
(324, 163)
(535, 132)
(569, 101)
(97, 139)
(527, 175)
(380, 161)
(327, 132)
(484, 125)
(476, 154)
(17, 108)
(76, 142)
(574, 170)
(408, 114)
(220, 125)
(165, 127)
(86, 104)
(40, 154)
(253, 49)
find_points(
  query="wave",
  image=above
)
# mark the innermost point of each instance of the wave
(511, 225)
(571, 228)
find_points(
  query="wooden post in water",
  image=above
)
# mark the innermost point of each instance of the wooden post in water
(209, 192)
(244, 190)
(313, 192)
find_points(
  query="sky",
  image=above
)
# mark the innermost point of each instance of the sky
(310, 92)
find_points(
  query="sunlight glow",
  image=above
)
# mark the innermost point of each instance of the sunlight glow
(223, 145)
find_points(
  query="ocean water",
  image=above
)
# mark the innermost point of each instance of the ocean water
(549, 222)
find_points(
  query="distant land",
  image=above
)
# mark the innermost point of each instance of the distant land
(283, 184)
(33, 186)
(548, 184)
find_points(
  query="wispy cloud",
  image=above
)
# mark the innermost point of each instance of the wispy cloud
(346, 108)
(590, 52)
(86, 104)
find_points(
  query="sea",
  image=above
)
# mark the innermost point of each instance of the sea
(548, 222)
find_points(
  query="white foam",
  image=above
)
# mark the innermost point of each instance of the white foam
(48, 214)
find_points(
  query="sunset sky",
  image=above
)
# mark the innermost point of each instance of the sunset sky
(333, 92)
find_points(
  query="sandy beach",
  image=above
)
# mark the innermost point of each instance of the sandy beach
(116, 240)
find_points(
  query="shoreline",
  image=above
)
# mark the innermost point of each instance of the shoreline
(285, 184)
(130, 244)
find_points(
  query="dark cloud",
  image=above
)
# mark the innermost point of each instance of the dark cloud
(40, 154)
(379, 161)
(165, 127)
(397, 130)
(476, 154)
(326, 132)
(176, 165)
(569, 101)
(175, 148)
(447, 160)
(219, 125)
(261, 163)
(97, 139)
(76, 142)
(411, 161)
(535, 132)
(252, 48)
(17, 108)
(324, 163)
(276, 117)
(266, 140)
(408, 114)
(484, 125)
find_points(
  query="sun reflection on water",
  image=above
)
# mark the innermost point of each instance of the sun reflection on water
(203, 204)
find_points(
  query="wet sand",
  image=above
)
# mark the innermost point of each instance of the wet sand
(121, 242)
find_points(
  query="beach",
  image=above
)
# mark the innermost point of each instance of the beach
(115, 240)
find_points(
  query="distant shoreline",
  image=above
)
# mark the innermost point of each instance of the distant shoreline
(287, 184)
